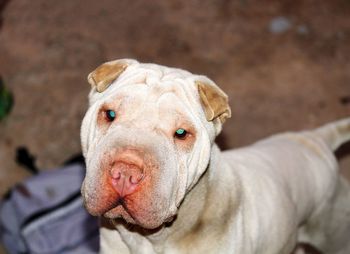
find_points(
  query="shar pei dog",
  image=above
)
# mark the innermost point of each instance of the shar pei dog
(160, 184)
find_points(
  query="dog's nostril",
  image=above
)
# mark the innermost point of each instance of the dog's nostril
(115, 173)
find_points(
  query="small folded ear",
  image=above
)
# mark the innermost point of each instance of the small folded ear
(214, 101)
(105, 74)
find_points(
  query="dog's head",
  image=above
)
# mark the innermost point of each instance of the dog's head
(147, 138)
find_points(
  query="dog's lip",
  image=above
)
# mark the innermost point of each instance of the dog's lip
(99, 211)
(119, 211)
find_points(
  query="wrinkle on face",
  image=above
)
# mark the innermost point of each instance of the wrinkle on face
(143, 112)
(151, 204)
(160, 110)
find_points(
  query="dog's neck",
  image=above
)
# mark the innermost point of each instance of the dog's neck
(199, 211)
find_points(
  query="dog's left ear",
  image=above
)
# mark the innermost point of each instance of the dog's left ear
(105, 74)
(214, 102)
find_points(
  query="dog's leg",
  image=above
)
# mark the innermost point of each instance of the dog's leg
(329, 231)
(339, 225)
(328, 228)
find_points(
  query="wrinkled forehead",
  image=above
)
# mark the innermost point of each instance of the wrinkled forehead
(168, 88)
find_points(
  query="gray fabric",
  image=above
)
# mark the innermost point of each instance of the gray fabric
(61, 223)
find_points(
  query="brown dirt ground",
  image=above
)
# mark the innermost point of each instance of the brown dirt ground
(276, 82)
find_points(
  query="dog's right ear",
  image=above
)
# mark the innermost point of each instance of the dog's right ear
(104, 75)
(214, 101)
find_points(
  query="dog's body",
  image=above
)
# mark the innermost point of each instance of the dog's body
(165, 193)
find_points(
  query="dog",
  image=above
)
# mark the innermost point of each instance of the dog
(161, 185)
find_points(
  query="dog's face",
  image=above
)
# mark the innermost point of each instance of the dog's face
(147, 139)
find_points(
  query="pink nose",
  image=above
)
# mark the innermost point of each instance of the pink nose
(126, 177)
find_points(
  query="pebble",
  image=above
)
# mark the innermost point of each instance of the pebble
(279, 25)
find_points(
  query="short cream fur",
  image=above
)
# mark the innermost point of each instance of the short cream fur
(261, 199)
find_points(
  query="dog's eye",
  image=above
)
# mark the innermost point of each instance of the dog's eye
(110, 115)
(180, 133)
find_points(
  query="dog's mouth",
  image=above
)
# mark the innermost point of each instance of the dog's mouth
(120, 210)
(137, 216)
(123, 189)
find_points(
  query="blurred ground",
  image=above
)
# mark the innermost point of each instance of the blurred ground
(277, 81)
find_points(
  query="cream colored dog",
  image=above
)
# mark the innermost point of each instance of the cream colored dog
(161, 185)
